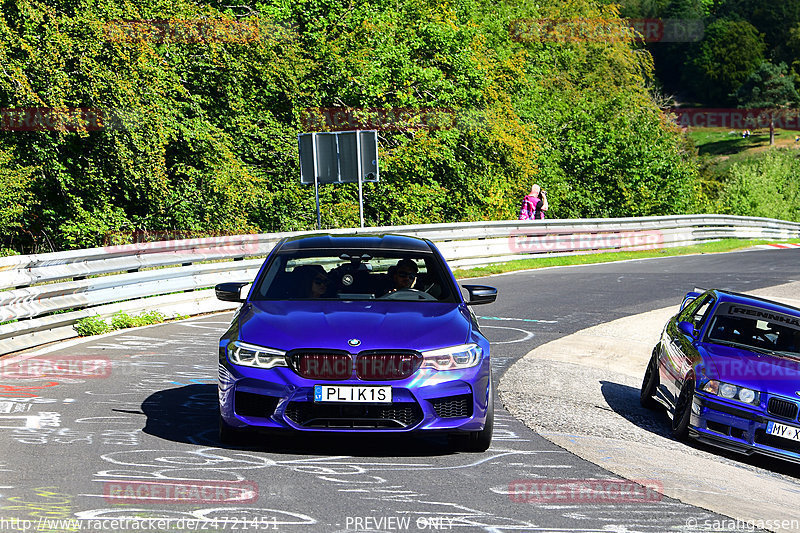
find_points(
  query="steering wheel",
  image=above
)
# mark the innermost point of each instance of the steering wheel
(407, 294)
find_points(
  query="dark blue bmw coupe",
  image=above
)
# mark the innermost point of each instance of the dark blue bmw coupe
(356, 334)
(727, 369)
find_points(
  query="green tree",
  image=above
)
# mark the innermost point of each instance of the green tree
(773, 18)
(793, 45)
(769, 88)
(729, 52)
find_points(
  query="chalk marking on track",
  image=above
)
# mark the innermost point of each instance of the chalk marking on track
(528, 335)
(518, 319)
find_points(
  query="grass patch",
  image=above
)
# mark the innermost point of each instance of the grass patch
(719, 148)
(725, 141)
(95, 325)
(543, 260)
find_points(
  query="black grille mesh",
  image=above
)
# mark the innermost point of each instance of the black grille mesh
(453, 406)
(782, 408)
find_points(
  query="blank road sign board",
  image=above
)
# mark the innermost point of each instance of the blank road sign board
(334, 156)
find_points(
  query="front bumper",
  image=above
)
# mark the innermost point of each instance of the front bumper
(429, 400)
(739, 428)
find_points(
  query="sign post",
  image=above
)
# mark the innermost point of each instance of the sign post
(339, 157)
(316, 183)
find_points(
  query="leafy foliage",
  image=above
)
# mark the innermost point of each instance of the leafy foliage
(199, 113)
(93, 325)
(774, 18)
(764, 187)
(738, 36)
(122, 320)
(729, 52)
(771, 88)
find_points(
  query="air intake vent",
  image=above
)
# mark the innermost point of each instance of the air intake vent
(249, 404)
(453, 406)
(394, 416)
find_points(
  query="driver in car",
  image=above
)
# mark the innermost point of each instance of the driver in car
(403, 275)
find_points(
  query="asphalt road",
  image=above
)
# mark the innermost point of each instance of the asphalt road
(75, 452)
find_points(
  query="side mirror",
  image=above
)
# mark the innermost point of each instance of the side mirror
(687, 328)
(230, 292)
(480, 294)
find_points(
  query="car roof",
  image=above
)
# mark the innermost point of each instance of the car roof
(387, 242)
(730, 296)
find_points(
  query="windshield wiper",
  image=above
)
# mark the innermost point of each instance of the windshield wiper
(766, 351)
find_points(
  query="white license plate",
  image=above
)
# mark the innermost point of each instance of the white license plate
(352, 394)
(782, 430)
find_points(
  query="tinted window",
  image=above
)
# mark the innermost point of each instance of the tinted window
(755, 327)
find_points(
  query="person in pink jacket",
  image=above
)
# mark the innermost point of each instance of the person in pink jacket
(534, 204)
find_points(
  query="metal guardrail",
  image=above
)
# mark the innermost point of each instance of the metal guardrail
(43, 295)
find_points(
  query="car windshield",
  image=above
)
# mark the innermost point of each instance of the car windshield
(355, 275)
(757, 328)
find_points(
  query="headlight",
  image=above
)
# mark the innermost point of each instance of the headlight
(455, 357)
(241, 353)
(747, 395)
(732, 392)
(726, 390)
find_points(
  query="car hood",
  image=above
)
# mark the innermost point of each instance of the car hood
(287, 325)
(768, 373)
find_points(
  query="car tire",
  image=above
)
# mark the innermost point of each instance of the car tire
(479, 441)
(683, 411)
(229, 435)
(650, 383)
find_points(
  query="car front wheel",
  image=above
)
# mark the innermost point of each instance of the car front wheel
(650, 383)
(683, 411)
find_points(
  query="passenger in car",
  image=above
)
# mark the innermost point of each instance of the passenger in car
(310, 281)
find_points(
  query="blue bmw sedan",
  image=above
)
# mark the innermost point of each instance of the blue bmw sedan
(356, 334)
(727, 369)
